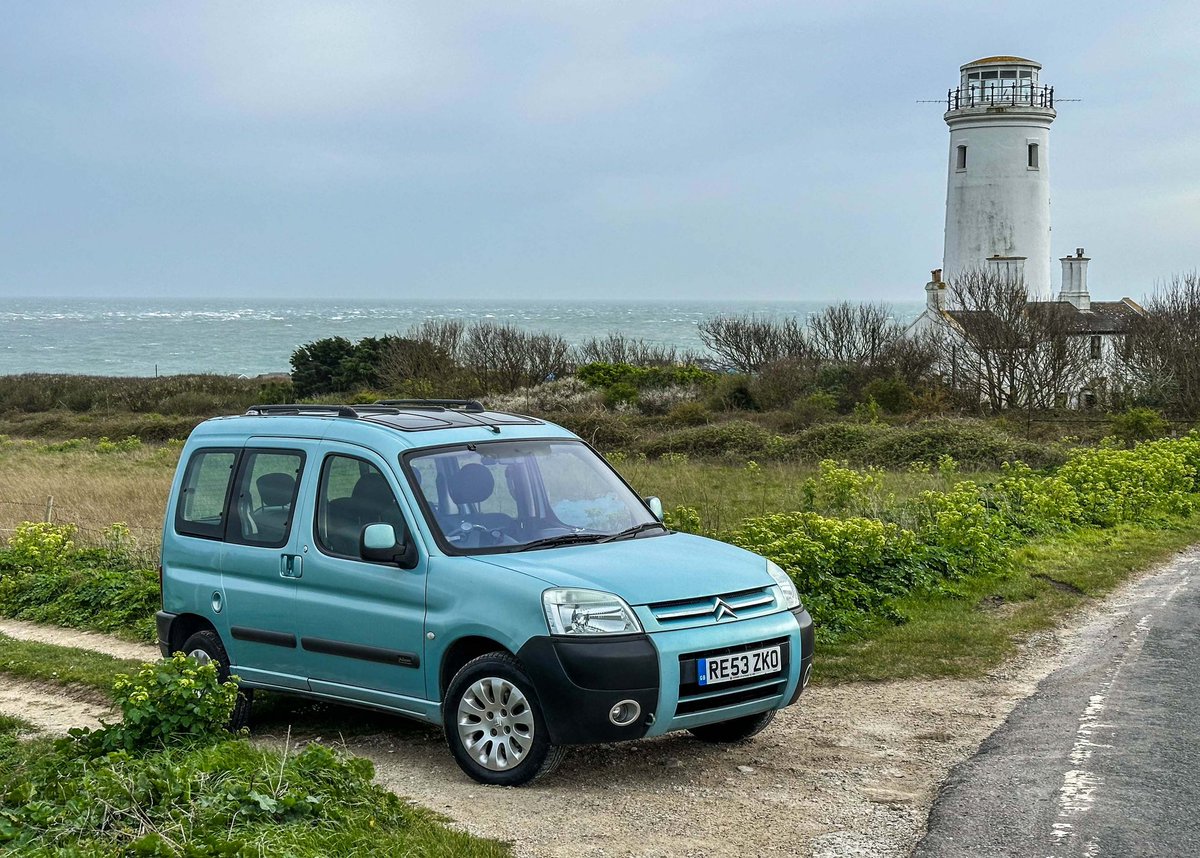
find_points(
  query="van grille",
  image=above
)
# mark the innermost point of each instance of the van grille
(694, 697)
(740, 605)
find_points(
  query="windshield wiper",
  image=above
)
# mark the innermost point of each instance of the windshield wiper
(633, 531)
(563, 539)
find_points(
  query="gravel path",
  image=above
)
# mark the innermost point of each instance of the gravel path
(49, 708)
(851, 771)
(106, 644)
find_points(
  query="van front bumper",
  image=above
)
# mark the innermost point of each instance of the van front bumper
(579, 681)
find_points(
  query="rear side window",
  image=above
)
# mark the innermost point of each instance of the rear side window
(265, 497)
(205, 494)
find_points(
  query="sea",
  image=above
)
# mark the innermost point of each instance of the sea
(146, 337)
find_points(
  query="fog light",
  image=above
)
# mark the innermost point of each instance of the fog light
(625, 713)
(807, 678)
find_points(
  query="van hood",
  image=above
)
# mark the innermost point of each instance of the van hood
(645, 570)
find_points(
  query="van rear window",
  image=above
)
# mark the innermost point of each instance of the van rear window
(204, 496)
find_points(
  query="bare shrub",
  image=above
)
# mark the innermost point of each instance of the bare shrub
(618, 348)
(853, 333)
(748, 343)
(504, 357)
(1161, 357)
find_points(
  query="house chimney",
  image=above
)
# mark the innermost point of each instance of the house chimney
(1008, 269)
(935, 292)
(1074, 281)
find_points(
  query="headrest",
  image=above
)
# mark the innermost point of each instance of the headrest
(373, 489)
(472, 484)
(276, 489)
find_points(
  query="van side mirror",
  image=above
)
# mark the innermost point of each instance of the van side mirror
(655, 507)
(378, 543)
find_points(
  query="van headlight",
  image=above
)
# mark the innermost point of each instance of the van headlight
(791, 598)
(588, 612)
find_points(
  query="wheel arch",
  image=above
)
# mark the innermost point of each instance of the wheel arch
(462, 651)
(186, 625)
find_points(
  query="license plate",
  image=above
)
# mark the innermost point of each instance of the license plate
(739, 665)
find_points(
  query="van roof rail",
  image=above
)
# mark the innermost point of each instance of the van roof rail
(470, 405)
(281, 410)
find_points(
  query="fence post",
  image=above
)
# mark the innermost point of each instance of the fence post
(49, 509)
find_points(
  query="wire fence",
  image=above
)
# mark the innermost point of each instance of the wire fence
(146, 540)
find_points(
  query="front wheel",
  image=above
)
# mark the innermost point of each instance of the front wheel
(737, 730)
(206, 647)
(494, 723)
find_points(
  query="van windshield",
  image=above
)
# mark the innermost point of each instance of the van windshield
(502, 496)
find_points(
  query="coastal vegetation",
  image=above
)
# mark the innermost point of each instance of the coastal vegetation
(168, 779)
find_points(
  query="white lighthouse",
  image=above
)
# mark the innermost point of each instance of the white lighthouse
(998, 185)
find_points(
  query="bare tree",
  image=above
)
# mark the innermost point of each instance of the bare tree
(1014, 353)
(617, 348)
(748, 343)
(848, 333)
(504, 357)
(1161, 357)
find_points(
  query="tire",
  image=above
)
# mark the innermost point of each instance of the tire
(492, 694)
(737, 730)
(205, 646)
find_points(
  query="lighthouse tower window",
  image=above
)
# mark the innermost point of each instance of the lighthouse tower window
(961, 158)
(1032, 156)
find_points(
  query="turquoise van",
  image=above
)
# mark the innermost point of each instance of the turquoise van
(485, 571)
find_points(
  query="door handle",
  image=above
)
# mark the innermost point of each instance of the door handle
(291, 566)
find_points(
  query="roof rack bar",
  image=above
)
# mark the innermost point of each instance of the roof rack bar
(282, 410)
(472, 405)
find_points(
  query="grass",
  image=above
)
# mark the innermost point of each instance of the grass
(223, 797)
(727, 494)
(62, 665)
(90, 488)
(966, 634)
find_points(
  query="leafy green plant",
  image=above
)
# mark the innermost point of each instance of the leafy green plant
(1139, 424)
(174, 700)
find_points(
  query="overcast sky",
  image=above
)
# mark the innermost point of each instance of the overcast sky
(563, 149)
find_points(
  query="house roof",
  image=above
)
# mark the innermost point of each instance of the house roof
(1104, 317)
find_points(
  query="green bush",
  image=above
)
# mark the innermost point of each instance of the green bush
(609, 375)
(602, 429)
(45, 578)
(620, 393)
(736, 437)
(733, 393)
(1139, 424)
(847, 570)
(172, 701)
(688, 414)
(892, 394)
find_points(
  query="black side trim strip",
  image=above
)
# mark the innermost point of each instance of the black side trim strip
(244, 633)
(366, 653)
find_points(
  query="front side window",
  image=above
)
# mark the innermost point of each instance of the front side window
(204, 495)
(353, 493)
(512, 495)
(265, 496)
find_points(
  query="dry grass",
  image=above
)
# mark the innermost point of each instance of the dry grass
(725, 494)
(94, 489)
(91, 489)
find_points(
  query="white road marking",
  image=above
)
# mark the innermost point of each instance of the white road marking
(1080, 784)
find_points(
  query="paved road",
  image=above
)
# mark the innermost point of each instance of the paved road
(1104, 760)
